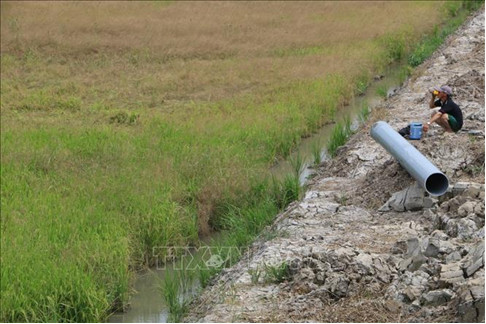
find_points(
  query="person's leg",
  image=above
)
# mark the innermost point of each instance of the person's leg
(434, 111)
(453, 123)
(439, 121)
(443, 121)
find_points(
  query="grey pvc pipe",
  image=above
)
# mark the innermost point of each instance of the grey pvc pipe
(419, 167)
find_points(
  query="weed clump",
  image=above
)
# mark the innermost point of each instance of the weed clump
(44, 101)
(174, 292)
(339, 136)
(125, 118)
(277, 273)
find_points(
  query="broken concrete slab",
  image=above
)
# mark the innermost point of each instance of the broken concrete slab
(411, 198)
(415, 198)
(466, 228)
(470, 306)
(451, 274)
(474, 260)
(437, 297)
(433, 248)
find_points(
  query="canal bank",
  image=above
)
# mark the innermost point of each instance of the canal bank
(345, 257)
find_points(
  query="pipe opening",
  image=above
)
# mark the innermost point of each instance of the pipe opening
(437, 184)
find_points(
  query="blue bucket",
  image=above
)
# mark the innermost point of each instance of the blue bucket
(415, 131)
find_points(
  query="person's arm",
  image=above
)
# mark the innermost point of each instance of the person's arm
(432, 101)
(425, 128)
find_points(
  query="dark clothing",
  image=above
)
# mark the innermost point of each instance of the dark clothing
(453, 123)
(405, 132)
(451, 108)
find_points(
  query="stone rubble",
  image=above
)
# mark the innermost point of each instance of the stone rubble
(366, 243)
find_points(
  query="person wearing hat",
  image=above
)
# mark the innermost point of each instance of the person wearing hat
(449, 116)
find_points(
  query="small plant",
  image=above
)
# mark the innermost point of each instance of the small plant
(31, 55)
(186, 275)
(472, 138)
(316, 152)
(98, 106)
(382, 91)
(342, 199)
(255, 275)
(361, 87)
(286, 191)
(205, 275)
(125, 118)
(71, 103)
(339, 136)
(395, 46)
(452, 8)
(475, 168)
(364, 113)
(297, 164)
(347, 125)
(173, 295)
(404, 73)
(170, 291)
(277, 273)
(283, 234)
(291, 188)
(471, 5)
(205, 268)
(362, 82)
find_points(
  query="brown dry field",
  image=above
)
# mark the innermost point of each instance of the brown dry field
(200, 50)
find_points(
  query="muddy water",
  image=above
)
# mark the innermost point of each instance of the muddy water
(147, 304)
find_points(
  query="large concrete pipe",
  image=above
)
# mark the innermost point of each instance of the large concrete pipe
(421, 169)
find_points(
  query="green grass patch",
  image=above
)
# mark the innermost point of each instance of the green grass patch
(362, 82)
(277, 273)
(255, 275)
(316, 149)
(382, 91)
(364, 112)
(44, 101)
(340, 134)
(174, 289)
(396, 45)
(457, 11)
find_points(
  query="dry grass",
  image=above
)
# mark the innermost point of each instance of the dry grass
(191, 29)
(361, 308)
(203, 50)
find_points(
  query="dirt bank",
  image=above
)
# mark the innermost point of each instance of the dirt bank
(365, 244)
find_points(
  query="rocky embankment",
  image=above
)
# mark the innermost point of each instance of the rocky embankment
(366, 244)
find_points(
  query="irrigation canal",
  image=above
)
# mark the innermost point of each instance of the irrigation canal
(147, 304)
